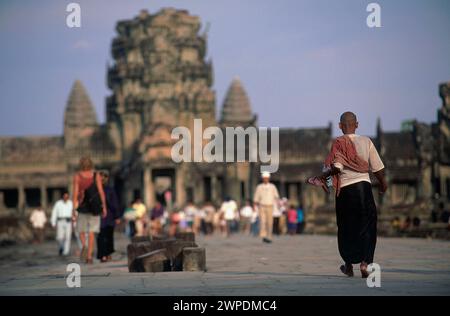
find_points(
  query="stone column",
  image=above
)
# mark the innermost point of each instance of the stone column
(22, 199)
(214, 189)
(149, 189)
(179, 187)
(56, 195)
(283, 191)
(247, 188)
(44, 202)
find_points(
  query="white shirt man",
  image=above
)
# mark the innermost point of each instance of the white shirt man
(62, 220)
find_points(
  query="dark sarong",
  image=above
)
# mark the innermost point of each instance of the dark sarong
(105, 242)
(356, 216)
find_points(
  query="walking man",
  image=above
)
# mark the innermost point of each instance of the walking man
(265, 198)
(350, 160)
(62, 220)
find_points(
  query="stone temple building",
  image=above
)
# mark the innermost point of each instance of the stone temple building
(161, 79)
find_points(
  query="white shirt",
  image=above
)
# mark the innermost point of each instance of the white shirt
(61, 210)
(38, 218)
(367, 151)
(229, 209)
(276, 211)
(190, 211)
(247, 211)
(266, 194)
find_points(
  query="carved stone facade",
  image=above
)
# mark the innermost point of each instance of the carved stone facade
(161, 79)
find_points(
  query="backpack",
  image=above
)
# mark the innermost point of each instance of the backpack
(92, 202)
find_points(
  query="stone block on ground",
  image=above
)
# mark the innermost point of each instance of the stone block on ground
(173, 249)
(194, 259)
(154, 261)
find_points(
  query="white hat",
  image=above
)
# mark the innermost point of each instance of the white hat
(265, 174)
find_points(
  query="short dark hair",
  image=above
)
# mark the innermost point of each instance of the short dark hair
(348, 116)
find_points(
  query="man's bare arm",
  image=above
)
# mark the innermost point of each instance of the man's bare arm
(381, 180)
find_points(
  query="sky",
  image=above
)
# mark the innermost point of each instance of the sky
(302, 63)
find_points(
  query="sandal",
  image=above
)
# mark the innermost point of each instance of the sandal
(363, 269)
(89, 261)
(347, 270)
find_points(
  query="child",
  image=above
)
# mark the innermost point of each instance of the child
(38, 220)
(292, 220)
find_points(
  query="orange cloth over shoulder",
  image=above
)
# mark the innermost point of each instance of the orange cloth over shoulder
(343, 151)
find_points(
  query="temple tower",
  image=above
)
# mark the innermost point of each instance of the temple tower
(80, 119)
(236, 112)
(159, 76)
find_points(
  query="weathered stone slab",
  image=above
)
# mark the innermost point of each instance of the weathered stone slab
(194, 259)
(155, 261)
(137, 239)
(173, 249)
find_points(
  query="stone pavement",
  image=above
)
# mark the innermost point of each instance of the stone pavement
(239, 265)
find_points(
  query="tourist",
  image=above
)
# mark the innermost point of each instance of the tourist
(38, 220)
(129, 216)
(210, 212)
(255, 222)
(217, 221)
(300, 219)
(265, 198)
(105, 239)
(407, 224)
(174, 222)
(229, 209)
(199, 218)
(292, 220)
(350, 160)
(140, 216)
(182, 221)
(62, 219)
(190, 212)
(276, 214)
(396, 224)
(156, 217)
(165, 220)
(246, 213)
(168, 200)
(89, 203)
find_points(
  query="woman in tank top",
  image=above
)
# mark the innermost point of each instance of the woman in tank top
(87, 222)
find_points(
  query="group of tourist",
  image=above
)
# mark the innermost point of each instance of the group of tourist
(90, 215)
(208, 219)
(93, 212)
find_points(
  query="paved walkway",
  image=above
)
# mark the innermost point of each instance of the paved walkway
(240, 265)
